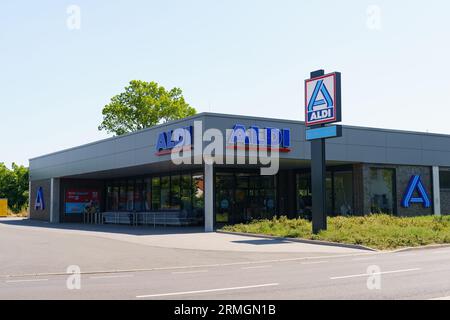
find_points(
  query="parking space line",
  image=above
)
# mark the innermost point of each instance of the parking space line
(190, 272)
(207, 291)
(374, 274)
(256, 267)
(26, 280)
(314, 262)
(112, 277)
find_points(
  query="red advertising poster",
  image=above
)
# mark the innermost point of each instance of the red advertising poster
(76, 200)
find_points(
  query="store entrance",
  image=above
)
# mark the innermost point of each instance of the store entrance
(243, 197)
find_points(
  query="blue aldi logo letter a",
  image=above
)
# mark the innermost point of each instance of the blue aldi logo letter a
(416, 186)
(39, 203)
(322, 99)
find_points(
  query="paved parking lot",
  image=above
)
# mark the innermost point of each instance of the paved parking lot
(139, 263)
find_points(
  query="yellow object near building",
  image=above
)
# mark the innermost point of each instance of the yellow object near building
(3, 207)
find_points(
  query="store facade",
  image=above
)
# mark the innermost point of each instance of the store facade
(368, 171)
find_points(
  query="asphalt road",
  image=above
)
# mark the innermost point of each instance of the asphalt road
(169, 273)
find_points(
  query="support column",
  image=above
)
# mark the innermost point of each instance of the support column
(209, 197)
(436, 192)
(54, 200)
(318, 174)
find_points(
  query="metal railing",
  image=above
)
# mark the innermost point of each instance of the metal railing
(159, 218)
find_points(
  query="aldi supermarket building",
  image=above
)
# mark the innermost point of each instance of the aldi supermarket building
(368, 171)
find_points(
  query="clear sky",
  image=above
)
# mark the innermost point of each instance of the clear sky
(239, 57)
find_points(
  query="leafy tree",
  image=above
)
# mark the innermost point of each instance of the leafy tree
(143, 105)
(14, 186)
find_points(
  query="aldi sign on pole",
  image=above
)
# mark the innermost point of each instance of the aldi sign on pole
(323, 99)
(322, 106)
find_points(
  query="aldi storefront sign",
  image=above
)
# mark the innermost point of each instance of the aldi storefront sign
(255, 136)
(179, 138)
(323, 99)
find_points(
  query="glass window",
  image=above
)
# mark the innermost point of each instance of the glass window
(147, 194)
(382, 188)
(175, 203)
(130, 195)
(198, 197)
(186, 192)
(156, 194)
(109, 197)
(343, 193)
(444, 178)
(122, 196)
(165, 192)
(138, 195)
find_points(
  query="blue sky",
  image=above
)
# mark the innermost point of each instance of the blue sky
(240, 57)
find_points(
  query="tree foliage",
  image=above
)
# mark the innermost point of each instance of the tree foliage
(143, 105)
(14, 186)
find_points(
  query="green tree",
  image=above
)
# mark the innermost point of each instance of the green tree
(14, 186)
(143, 105)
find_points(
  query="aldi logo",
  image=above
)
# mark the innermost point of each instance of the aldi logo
(323, 99)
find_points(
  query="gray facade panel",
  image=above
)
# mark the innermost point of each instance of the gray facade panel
(357, 145)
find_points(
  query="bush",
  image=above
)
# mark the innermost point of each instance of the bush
(377, 231)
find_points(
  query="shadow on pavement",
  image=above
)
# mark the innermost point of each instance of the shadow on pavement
(107, 228)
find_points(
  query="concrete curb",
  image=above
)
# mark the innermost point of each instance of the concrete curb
(427, 247)
(318, 242)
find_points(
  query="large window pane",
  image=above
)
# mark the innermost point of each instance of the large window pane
(165, 192)
(148, 194)
(138, 196)
(381, 186)
(343, 193)
(175, 203)
(130, 195)
(123, 196)
(156, 194)
(186, 193)
(198, 197)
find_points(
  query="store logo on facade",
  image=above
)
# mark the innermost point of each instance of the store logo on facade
(39, 202)
(174, 140)
(255, 138)
(416, 186)
(322, 99)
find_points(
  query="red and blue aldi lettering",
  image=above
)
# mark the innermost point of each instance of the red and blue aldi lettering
(168, 140)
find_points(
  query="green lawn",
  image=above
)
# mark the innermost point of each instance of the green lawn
(381, 232)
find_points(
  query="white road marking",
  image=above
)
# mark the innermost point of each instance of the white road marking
(256, 267)
(26, 280)
(112, 277)
(364, 259)
(207, 291)
(373, 274)
(407, 254)
(441, 252)
(189, 272)
(314, 262)
(442, 298)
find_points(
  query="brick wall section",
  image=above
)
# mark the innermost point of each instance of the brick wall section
(445, 202)
(40, 214)
(403, 175)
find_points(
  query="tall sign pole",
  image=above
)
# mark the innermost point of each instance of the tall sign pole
(322, 106)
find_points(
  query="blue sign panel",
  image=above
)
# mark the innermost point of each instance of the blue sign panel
(39, 202)
(323, 99)
(323, 133)
(416, 186)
